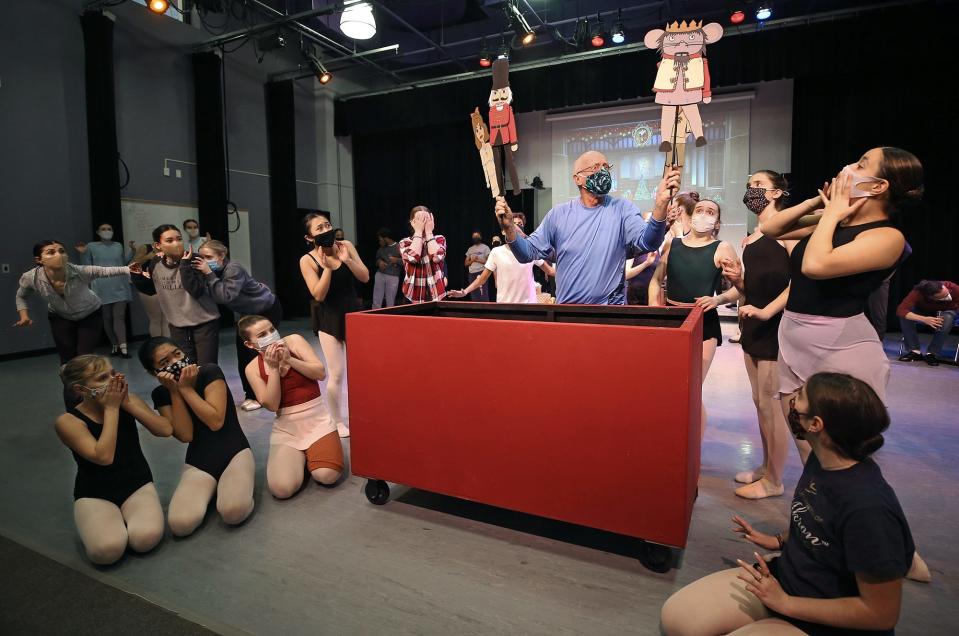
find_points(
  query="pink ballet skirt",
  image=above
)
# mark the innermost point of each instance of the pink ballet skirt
(812, 344)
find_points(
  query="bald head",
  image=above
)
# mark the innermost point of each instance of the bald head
(587, 159)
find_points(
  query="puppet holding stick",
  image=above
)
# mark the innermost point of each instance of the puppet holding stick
(682, 81)
(481, 137)
(502, 125)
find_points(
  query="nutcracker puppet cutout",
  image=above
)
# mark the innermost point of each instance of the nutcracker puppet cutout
(682, 81)
(502, 125)
(481, 137)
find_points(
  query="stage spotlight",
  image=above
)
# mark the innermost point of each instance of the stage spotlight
(598, 34)
(764, 12)
(271, 42)
(618, 34)
(737, 17)
(323, 76)
(158, 6)
(581, 34)
(520, 25)
(485, 59)
(357, 21)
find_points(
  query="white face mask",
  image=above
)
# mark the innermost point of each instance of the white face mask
(945, 299)
(106, 235)
(703, 223)
(267, 340)
(193, 233)
(857, 180)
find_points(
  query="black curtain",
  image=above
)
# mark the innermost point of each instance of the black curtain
(287, 231)
(436, 167)
(210, 152)
(101, 122)
(805, 50)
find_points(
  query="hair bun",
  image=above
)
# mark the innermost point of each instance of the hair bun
(868, 446)
(914, 195)
(694, 196)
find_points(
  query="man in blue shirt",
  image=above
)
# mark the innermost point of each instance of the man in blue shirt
(587, 237)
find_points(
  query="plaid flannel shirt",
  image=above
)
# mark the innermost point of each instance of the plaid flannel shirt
(423, 273)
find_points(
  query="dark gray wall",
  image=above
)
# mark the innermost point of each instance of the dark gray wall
(44, 182)
(44, 189)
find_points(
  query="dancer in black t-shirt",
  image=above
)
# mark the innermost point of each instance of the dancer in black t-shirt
(848, 545)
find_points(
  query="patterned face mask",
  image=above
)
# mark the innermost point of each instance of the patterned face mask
(793, 418)
(755, 200)
(174, 368)
(599, 183)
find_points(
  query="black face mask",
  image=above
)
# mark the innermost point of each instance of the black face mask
(326, 239)
(794, 425)
(477, 240)
(496, 243)
(755, 200)
(174, 368)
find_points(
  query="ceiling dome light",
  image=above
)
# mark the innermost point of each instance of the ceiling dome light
(158, 6)
(357, 21)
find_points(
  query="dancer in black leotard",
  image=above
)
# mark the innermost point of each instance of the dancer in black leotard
(328, 270)
(116, 504)
(196, 401)
(765, 288)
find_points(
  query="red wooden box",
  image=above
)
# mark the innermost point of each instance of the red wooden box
(609, 438)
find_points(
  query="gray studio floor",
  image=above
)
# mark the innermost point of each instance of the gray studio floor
(329, 562)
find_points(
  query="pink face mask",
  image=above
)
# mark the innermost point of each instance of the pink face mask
(857, 180)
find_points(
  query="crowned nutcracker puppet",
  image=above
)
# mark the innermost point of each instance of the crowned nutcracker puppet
(502, 125)
(682, 82)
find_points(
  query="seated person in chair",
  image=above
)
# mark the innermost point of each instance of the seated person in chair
(935, 304)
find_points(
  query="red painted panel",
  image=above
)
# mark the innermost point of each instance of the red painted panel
(611, 442)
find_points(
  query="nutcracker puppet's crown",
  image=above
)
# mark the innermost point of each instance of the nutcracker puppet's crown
(684, 27)
(500, 74)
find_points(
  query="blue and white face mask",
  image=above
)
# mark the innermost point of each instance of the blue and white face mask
(599, 183)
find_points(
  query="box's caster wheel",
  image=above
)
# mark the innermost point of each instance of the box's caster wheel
(377, 491)
(655, 557)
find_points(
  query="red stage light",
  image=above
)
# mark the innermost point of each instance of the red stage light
(737, 17)
(485, 62)
(598, 41)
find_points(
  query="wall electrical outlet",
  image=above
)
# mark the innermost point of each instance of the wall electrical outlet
(166, 172)
(179, 173)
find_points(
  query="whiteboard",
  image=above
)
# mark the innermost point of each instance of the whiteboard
(141, 216)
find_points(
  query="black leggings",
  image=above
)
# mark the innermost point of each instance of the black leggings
(245, 355)
(73, 338)
(200, 342)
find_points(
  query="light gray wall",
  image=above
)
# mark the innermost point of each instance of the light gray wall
(44, 189)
